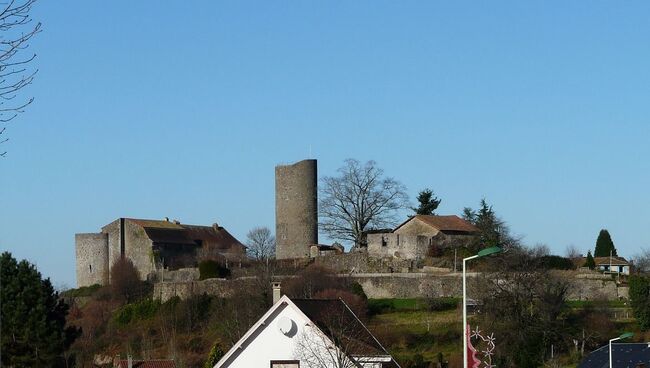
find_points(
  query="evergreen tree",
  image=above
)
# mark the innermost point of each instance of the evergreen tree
(33, 317)
(216, 353)
(604, 245)
(492, 230)
(428, 203)
(590, 261)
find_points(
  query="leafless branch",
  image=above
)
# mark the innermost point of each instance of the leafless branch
(357, 199)
(16, 30)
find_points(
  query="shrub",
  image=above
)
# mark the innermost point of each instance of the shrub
(215, 354)
(640, 300)
(82, 291)
(442, 304)
(555, 263)
(142, 310)
(212, 269)
(125, 281)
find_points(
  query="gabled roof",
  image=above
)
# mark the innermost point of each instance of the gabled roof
(444, 223)
(623, 355)
(337, 321)
(615, 261)
(151, 363)
(170, 232)
(317, 309)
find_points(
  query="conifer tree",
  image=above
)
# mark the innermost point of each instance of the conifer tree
(590, 261)
(33, 317)
(216, 353)
(428, 203)
(604, 245)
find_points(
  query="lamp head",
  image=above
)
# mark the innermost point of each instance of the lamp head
(626, 335)
(488, 251)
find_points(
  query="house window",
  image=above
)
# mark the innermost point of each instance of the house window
(383, 241)
(398, 239)
(285, 364)
(90, 268)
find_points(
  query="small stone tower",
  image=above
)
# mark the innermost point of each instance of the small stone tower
(296, 209)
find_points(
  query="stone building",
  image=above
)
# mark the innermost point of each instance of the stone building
(151, 245)
(420, 236)
(296, 209)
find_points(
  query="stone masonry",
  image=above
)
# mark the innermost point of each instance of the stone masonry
(92, 258)
(296, 209)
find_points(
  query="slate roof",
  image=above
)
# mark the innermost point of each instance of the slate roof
(444, 223)
(623, 356)
(169, 232)
(152, 363)
(336, 320)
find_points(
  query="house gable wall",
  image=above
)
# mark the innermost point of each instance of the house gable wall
(404, 246)
(416, 227)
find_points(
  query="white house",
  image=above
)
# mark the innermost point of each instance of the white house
(307, 333)
(617, 265)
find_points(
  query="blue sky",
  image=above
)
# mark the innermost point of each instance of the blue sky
(153, 109)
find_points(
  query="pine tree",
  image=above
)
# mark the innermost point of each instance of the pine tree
(216, 353)
(428, 203)
(33, 317)
(604, 245)
(590, 261)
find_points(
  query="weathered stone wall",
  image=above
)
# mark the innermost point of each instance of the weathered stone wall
(219, 287)
(410, 285)
(113, 232)
(180, 275)
(402, 246)
(362, 263)
(91, 252)
(138, 248)
(392, 285)
(296, 209)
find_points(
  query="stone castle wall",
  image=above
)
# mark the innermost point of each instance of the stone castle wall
(296, 209)
(394, 285)
(91, 251)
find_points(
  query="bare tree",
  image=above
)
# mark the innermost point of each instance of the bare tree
(642, 260)
(336, 339)
(359, 198)
(572, 252)
(17, 29)
(125, 281)
(260, 243)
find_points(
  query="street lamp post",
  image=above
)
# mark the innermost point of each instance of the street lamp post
(623, 336)
(483, 253)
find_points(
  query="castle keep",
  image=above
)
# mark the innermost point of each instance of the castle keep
(296, 209)
(151, 245)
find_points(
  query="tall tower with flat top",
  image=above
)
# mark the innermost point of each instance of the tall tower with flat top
(296, 209)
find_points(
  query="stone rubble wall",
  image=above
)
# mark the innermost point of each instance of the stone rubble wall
(394, 285)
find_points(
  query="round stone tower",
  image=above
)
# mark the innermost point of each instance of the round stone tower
(296, 209)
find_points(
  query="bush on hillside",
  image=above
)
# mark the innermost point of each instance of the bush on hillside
(555, 263)
(142, 310)
(212, 269)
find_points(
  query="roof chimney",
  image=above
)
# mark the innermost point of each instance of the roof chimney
(276, 291)
(129, 361)
(166, 218)
(215, 226)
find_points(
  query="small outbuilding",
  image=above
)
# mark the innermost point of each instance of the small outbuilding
(421, 236)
